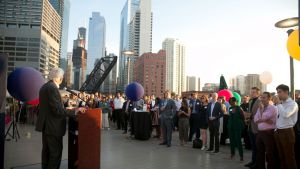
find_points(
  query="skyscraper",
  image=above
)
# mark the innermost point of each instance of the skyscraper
(59, 6)
(252, 80)
(135, 35)
(140, 37)
(30, 32)
(96, 44)
(79, 58)
(193, 83)
(240, 84)
(175, 63)
(69, 75)
(65, 29)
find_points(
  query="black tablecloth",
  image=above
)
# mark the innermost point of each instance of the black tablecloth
(142, 125)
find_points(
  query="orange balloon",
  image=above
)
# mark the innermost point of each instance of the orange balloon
(293, 45)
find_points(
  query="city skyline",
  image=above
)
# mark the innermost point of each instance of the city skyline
(211, 29)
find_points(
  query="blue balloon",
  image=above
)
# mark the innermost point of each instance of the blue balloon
(134, 91)
(25, 83)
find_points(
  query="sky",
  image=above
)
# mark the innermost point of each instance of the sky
(232, 37)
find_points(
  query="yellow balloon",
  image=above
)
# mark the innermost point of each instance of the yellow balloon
(293, 45)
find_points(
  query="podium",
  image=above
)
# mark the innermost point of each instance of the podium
(84, 140)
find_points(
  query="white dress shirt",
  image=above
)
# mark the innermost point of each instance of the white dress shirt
(287, 114)
(212, 108)
(118, 103)
(178, 104)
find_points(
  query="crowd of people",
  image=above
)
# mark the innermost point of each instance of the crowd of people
(266, 124)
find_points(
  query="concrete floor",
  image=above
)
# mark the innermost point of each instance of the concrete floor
(120, 152)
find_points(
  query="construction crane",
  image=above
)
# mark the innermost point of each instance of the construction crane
(99, 73)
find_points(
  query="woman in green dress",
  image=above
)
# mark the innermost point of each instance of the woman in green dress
(235, 127)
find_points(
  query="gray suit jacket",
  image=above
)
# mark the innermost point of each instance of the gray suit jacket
(253, 126)
(170, 109)
(52, 115)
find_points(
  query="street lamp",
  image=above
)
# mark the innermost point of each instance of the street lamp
(128, 54)
(289, 23)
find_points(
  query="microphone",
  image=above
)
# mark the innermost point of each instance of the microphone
(74, 93)
(70, 91)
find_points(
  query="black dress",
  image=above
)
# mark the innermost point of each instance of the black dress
(203, 117)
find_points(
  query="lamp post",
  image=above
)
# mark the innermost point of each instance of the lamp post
(289, 23)
(128, 54)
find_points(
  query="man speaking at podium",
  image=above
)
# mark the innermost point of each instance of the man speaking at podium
(52, 120)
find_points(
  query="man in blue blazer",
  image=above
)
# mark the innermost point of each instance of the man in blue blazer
(215, 112)
(195, 120)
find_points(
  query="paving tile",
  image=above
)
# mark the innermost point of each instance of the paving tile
(120, 152)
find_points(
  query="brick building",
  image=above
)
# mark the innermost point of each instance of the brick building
(150, 72)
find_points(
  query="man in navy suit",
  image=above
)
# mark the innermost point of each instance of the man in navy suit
(215, 112)
(195, 120)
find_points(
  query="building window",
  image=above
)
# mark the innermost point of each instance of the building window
(10, 43)
(9, 48)
(33, 59)
(21, 59)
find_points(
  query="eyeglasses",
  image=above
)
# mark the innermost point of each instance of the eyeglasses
(202, 98)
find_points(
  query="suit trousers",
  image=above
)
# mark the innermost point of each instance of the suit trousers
(252, 137)
(297, 149)
(194, 126)
(52, 151)
(183, 126)
(118, 116)
(125, 118)
(236, 141)
(265, 143)
(245, 135)
(167, 129)
(285, 140)
(214, 136)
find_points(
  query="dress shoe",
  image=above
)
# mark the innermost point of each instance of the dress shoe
(254, 166)
(216, 152)
(169, 145)
(125, 132)
(241, 159)
(249, 164)
(209, 150)
(162, 143)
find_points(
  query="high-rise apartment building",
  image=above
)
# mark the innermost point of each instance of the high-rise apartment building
(30, 32)
(150, 72)
(79, 58)
(65, 29)
(175, 64)
(193, 83)
(252, 80)
(135, 36)
(96, 43)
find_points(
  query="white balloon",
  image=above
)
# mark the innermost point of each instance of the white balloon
(266, 77)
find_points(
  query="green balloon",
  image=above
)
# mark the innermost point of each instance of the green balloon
(238, 97)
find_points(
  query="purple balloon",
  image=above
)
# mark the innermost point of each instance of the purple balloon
(25, 83)
(134, 91)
